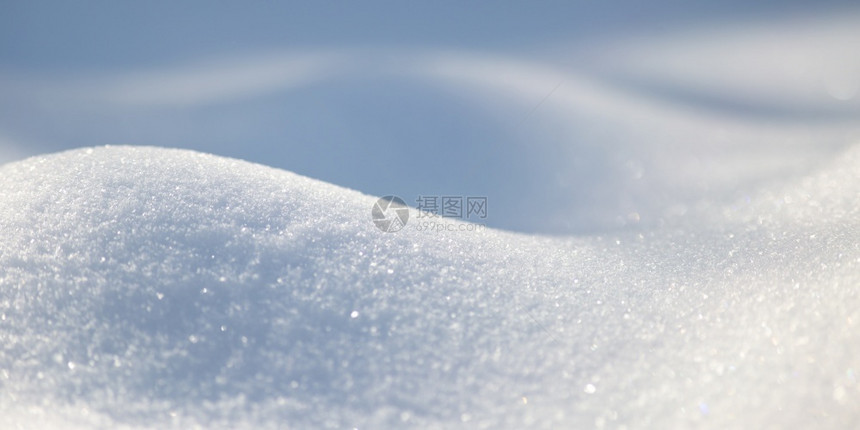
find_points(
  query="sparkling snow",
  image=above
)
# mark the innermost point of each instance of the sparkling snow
(161, 288)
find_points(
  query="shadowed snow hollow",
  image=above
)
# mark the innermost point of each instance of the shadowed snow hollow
(153, 288)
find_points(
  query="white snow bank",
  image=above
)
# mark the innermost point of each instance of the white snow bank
(156, 288)
(615, 129)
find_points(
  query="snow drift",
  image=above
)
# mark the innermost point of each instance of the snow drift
(158, 288)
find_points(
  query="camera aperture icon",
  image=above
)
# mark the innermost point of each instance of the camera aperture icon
(390, 214)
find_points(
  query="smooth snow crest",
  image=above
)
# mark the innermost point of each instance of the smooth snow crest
(160, 288)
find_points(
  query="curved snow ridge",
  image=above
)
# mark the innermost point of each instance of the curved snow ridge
(145, 283)
(158, 288)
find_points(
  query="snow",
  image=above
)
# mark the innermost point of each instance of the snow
(145, 287)
(594, 137)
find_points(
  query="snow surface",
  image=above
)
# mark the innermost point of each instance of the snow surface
(161, 288)
(602, 130)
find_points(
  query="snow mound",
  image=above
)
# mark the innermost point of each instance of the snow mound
(159, 288)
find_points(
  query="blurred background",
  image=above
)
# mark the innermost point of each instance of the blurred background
(570, 117)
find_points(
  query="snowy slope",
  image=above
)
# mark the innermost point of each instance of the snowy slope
(613, 128)
(158, 288)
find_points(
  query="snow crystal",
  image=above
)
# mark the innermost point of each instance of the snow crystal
(158, 288)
